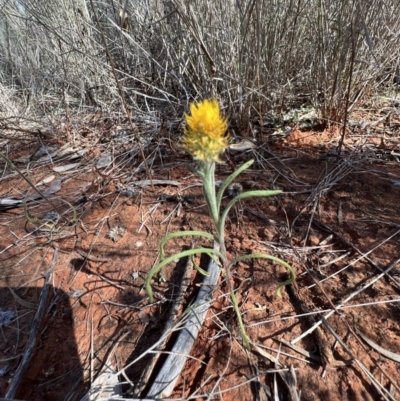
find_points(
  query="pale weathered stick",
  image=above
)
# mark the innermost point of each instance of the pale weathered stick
(29, 351)
(165, 381)
(173, 315)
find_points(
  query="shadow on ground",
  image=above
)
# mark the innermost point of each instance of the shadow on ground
(54, 364)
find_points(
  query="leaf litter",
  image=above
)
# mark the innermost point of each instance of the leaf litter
(106, 318)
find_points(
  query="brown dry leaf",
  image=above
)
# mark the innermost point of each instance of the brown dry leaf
(244, 144)
(389, 354)
(22, 302)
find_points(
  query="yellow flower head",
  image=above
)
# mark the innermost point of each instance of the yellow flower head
(205, 131)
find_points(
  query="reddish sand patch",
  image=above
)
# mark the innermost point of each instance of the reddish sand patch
(97, 304)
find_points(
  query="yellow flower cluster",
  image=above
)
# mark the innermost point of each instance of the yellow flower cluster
(205, 131)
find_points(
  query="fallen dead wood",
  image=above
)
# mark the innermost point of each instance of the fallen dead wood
(172, 319)
(169, 373)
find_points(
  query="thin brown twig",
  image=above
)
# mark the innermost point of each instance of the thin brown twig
(121, 93)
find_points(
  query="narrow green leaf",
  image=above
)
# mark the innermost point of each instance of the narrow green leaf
(243, 332)
(274, 259)
(191, 168)
(199, 269)
(229, 180)
(244, 195)
(212, 253)
(182, 234)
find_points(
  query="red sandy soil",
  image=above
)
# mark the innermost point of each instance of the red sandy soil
(97, 306)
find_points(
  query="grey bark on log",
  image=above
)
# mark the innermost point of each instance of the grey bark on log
(166, 379)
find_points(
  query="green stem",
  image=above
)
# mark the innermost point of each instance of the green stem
(207, 173)
(213, 200)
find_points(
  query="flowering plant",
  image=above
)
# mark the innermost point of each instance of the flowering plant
(205, 139)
